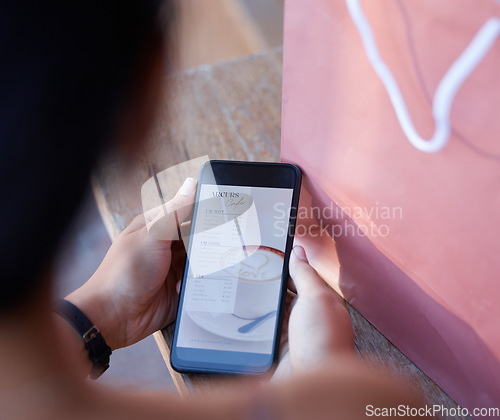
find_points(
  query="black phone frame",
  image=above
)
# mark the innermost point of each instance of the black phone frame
(247, 174)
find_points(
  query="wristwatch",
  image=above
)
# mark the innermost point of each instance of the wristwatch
(99, 351)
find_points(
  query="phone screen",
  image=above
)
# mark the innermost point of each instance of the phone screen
(234, 278)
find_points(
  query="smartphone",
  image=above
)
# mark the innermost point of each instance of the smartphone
(235, 279)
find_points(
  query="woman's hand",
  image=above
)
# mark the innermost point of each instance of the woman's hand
(318, 327)
(132, 294)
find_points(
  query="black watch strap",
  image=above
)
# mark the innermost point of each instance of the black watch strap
(99, 351)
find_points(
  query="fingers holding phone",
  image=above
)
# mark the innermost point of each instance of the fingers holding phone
(319, 325)
(164, 222)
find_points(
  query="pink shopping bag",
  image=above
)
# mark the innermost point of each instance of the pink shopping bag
(392, 110)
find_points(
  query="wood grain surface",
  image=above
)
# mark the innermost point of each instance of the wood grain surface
(215, 30)
(230, 110)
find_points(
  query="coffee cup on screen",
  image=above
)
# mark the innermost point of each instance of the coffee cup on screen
(259, 271)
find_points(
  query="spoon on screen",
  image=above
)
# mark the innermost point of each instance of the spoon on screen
(255, 323)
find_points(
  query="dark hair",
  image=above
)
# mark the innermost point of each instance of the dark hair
(65, 69)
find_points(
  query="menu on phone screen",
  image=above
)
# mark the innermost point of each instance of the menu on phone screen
(236, 258)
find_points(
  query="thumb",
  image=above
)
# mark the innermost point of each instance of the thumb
(306, 279)
(162, 221)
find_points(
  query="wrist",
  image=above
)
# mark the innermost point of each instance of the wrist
(98, 350)
(75, 355)
(100, 311)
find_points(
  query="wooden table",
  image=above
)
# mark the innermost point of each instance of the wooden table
(230, 110)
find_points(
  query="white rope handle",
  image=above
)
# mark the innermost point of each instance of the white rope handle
(463, 66)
